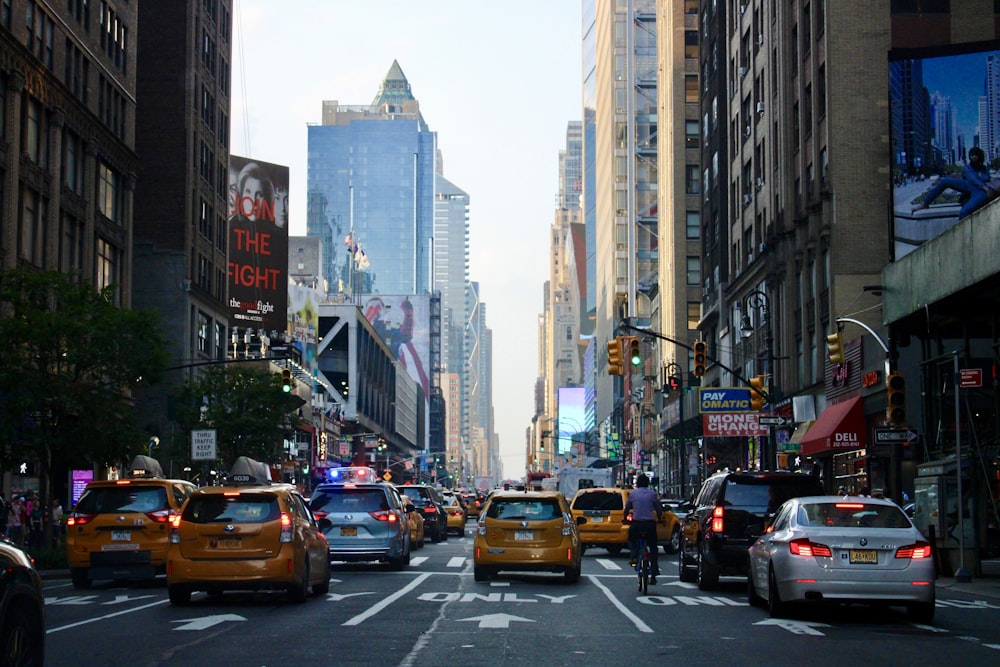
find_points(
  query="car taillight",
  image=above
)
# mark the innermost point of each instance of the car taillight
(914, 551)
(175, 521)
(286, 527)
(803, 547)
(319, 514)
(385, 515)
(456, 512)
(718, 519)
(175, 529)
(78, 519)
(161, 516)
(430, 510)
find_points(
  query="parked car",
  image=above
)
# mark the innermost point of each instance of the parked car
(119, 528)
(731, 511)
(526, 531)
(836, 549)
(249, 534)
(22, 608)
(363, 520)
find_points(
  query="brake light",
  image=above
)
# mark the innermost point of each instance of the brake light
(718, 519)
(430, 510)
(319, 514)
(286, 527)
(803, 547)
(914, 551)
(78, 519)
(161, 516)
(175, 520)
(456, 512)
(385, 515)
(123, 482)
(850, 506)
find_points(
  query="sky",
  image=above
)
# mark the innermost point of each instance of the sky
(498, 82)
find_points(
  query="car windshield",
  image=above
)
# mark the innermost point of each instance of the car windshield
(524, 509)
(123, 499)
(598, 500)
(244, 508)
(851, 515)
(345, 500)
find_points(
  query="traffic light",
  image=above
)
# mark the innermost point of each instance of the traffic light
(673, 384)
(782, 461)
(835, 348)
(895, 386)
(700, 360)
(615, 356)
(633, 351)
(757, 392)
(286, 381)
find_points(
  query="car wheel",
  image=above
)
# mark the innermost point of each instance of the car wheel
(398, 564)
(214, 591)
(708, 576)
(481, 573)
(444, 533)
(775, 606)
(23, 638)
(615, 549)
(81, 578)
(684, 573)
(921, 612)
(179, 595)
(300, 592)
(461, 532)
(323, 587)
(674, 545)
(572, 575)
(752, 597)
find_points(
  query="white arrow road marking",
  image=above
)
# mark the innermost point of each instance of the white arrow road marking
(126, 598)
(457, 561)
(206, 621)
(73, 599)
(796, 627)
(337, 597)
(496, 620)
(608, 564)
(681, 584)
(929, 628)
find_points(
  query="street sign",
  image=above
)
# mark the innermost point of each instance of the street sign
(203, 445)
(772, 420)
(889, 435)
(970, 377)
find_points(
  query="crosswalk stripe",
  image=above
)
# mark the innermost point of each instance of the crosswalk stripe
(609, 564)
(417, 560)
(457, 561)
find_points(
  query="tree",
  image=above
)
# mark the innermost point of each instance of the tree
(70, 362)
(245, 405)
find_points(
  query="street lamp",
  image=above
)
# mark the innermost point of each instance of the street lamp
(761, 304)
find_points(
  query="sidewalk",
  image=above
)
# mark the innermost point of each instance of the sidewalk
(988, 583)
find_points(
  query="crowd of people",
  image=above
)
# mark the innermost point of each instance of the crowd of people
(24, 518)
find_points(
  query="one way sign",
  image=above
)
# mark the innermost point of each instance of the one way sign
(885, 436)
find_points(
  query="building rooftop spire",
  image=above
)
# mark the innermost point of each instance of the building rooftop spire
(394, 89)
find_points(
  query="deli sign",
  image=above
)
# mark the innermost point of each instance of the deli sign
(732, 424)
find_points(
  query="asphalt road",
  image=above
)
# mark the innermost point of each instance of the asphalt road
(434, 613)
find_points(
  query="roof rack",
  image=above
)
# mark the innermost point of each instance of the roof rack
(144, 467)
(246, 470)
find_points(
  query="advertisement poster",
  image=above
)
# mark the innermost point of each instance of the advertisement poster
(945, 128)
(302, 320)
(258, 244)
(403, 322)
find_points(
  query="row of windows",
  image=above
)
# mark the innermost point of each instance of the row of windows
(207, 344)
(113, 37)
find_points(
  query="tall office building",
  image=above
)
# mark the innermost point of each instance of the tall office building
(182, 186)
(371, 183)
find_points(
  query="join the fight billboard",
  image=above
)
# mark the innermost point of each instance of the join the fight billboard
(258, 244)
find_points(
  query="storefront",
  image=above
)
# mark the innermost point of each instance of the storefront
(837, 440)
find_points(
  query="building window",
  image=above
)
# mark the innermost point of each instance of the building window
(692, 183)
(220, 341)
(107, 193)
(72, 250)
(691, 133)
(34, 132)
(694, 271)
(694, 224)
(32, 228)
(694, 315)
(106, 269)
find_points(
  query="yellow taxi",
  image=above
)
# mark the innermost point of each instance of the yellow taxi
(600, 513)
(119, 528)
(456, 515)
(526, 531)
(416, 520)
(247, 535)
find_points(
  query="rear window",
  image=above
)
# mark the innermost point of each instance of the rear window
(766, 494)
(343, 500)
(244, 508)
(417, 495)
(599, 500)
(123, 499)
(524, 509)
(851, 515)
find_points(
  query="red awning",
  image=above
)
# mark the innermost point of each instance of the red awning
(841, 427)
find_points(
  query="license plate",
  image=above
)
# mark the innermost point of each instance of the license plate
(597, 519)
(228, 543)
(121, 535)
(348, 531)
(524, 535)
(864, 556)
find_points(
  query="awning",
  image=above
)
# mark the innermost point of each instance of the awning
(841, 427)
(800, 432)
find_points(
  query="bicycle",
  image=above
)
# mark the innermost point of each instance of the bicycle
(644, 564)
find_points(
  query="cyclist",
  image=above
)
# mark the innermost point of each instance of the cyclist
(646, 513)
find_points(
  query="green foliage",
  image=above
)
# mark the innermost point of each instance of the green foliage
(245, 405)
(70, 362)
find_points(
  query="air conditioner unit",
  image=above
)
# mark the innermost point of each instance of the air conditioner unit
(743, 72)
(748, 130)
(763, 247)
(743, 10)
(747, 198)
(760, 39)
(749, 258)
(760, 107)
(759, 182)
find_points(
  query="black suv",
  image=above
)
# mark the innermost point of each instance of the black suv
(428, 502)
(731, 511)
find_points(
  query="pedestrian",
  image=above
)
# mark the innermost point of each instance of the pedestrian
(57, 515)
(15, 521)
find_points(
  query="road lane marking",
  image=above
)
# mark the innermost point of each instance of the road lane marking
(457, 561)
(609, 564)
(105, 617)
(617, 603)
(379, 606)
(796, 627)
(417, 560)
(497, 620)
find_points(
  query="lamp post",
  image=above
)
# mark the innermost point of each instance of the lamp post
(761, 304)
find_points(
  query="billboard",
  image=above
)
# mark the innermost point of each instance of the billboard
(404, 323)
(571, 422)
(944, 106)
(258, 244)
(303, 318)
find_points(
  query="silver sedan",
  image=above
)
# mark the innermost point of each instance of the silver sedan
(838, 549)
